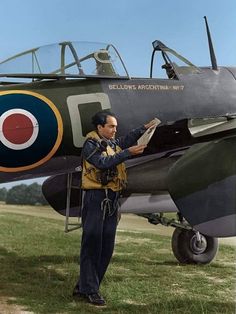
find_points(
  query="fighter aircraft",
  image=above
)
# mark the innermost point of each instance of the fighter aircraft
(48, 95)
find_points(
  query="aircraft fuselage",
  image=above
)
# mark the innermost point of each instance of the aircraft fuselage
(209, 94)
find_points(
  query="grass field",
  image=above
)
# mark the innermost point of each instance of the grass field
(39, 267)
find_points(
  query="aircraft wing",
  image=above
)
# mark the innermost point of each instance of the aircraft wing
(202, 183)
(146, 191)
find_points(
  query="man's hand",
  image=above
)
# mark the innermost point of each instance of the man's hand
(137, 149)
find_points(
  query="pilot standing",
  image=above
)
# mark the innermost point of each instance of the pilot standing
(103, 178)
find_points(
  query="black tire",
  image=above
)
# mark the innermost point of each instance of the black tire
(187, 250)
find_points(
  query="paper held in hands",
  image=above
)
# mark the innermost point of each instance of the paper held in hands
(145, 138)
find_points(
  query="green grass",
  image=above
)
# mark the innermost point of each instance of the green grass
(39, 267)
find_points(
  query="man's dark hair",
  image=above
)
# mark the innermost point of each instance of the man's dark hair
(101, 117)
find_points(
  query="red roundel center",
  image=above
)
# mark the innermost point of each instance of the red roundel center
(17, 128)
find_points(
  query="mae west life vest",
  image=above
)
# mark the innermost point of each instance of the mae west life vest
(91, 176)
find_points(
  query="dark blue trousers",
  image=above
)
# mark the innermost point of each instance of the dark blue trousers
(98, 239)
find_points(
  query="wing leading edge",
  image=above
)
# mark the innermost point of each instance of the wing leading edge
(202, 184)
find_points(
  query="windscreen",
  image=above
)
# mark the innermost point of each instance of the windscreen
(169, 64)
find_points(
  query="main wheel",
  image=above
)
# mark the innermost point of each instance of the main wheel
(189, 250)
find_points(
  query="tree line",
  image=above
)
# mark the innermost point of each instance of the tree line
(23, 194)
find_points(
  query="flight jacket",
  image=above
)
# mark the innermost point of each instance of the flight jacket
(96, 159)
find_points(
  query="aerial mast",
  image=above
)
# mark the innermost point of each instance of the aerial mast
(211, 49)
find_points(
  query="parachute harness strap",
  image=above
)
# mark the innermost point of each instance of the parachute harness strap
(108, 206)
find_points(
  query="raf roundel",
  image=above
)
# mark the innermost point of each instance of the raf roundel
(30, 130)
(18, 129)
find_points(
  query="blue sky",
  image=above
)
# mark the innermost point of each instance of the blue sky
(131, 25)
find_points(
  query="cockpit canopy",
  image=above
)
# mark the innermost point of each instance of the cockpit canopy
(65, 59)
(85, 59)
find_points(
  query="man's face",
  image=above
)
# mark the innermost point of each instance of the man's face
(109, 129)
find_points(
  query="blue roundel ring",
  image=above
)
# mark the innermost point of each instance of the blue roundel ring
(31, 130)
